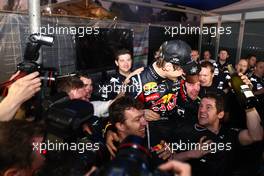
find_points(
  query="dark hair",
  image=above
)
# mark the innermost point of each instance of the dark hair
(208, 64)
(223, 49)
(219, 100)
(69, 83)
(118, 107)
(251, 55)
(259, 61)
(242, 59)
(207, 51)
(122, 52)
(16, 143)
(160, 62)
(83, 74)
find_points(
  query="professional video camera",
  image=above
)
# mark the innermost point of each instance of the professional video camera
(80, 151)
(132, 159)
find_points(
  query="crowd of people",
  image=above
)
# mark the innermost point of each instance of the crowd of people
(184, 108)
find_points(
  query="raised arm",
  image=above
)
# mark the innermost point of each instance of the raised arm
(254, 131)
(19, 92)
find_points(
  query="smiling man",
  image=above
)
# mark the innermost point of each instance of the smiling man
(123, 62)
(127, 115)
(188, 99)
(216, 142)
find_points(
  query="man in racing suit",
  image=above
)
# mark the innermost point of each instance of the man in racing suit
(158, 86)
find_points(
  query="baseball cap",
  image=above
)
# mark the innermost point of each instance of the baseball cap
(176, 52)
(192, 70)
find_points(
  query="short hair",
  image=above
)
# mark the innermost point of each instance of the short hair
(207, 51)
(223, 49)
(83, 74)
(242, 59)
(118, 107)
(219, 100)
(16, 138)
(122, 52)
(160, 62)
(207, 64)
(69, 83)
(251, 55)
(259, 61)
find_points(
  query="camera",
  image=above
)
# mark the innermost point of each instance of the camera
(31, 56)
(75, 152)
(30, 65)
(132, 159)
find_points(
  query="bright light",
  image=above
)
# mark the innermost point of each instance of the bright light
(48, 9)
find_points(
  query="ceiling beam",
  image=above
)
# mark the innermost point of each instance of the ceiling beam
(158, 6)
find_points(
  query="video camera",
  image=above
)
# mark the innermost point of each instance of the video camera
(64, 123)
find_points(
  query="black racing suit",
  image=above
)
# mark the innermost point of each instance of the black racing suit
(258, 84)
(221, 75)
(159, 95)
(224, 144)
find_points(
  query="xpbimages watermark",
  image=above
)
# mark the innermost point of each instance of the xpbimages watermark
(69, 30)
(189, 30)
(187, 146)
(80, 147)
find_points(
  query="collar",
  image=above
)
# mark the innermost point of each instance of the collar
(154, 74)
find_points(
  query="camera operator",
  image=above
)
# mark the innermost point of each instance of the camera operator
(16, 148)
(19, 92)
(73, 86)
(100, 107)
(80, 87)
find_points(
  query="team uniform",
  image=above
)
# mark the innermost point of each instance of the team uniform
(216, 163)
(221, 75)
(159, 95)
(112, 87)
(258, 83)
(187, 108)
(215, 87)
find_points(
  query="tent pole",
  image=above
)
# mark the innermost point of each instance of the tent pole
(240, 37)
(200, 36)
(217, 42)
(34, 19)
